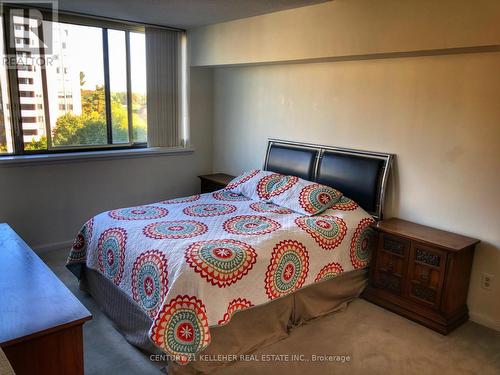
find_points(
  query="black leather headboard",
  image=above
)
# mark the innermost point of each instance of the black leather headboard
(359, 175)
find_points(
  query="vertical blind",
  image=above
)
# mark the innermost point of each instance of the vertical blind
(164, 87)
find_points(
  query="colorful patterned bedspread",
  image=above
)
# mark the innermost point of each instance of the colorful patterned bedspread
(191, 263)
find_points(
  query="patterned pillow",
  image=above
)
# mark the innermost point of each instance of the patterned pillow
(256, 184)
(305, 197)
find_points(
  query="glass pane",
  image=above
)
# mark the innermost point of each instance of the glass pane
(138, 73)
(75, 85)
(30, 84)
(6, 145)
(118, 85)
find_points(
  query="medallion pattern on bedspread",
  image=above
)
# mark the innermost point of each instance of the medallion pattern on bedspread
(327, 231)
(287, 270)
(221, 262)
(210, 209)
(111, 253)
(235, 305)
(274, 184)
(174, 229)
(247, 225)
(225, 195)
(361, 243)
(204, 261)
(138, 213)
(83, 238)
(181, 328)
(150, 280)
(345, 204)
(329, 271)
(314, 198)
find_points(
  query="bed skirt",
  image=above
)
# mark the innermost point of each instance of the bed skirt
(248, 330)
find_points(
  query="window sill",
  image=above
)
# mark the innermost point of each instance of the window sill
(92, 155)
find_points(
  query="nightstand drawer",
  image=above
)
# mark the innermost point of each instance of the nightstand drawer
(394, 245)
(390, 271)
(426, 274)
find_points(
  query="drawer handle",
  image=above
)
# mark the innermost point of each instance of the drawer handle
(390, 266)
(425, 276)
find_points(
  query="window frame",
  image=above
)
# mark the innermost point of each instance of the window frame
(14, 92)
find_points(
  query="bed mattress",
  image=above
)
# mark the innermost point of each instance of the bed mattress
(190, 264)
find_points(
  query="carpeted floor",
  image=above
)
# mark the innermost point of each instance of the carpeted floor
(376, 340)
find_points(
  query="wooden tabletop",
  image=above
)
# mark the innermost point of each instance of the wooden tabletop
(448, 240)
(219, 178)
(33, 301)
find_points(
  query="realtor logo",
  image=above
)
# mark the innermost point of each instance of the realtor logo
(29, 35)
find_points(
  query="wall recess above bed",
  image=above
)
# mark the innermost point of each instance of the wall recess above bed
(359, 175)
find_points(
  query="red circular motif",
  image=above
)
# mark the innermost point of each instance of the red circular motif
(248, 225)
(221, 262)
(327, 231)
(345, 204)
(360, 243)
(151, 266)
(192, 328)
(289, 264)
(234, 306)
(329, 271)
(316, 197)
(274, 184)
(111, 259)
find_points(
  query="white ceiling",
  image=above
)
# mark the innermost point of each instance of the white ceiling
(183, 14)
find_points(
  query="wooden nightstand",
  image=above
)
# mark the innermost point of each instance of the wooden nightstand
(213, 182)
(421, 273)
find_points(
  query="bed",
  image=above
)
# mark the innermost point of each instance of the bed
(194, 276)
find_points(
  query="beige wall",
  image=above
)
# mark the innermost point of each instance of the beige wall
(47, 204)
(438, 114)
(348, 27)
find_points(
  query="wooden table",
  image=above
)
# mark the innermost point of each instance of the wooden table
(40, 319)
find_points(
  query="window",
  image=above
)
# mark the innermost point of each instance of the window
(91, 92)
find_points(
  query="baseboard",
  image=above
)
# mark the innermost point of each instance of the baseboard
(485, 321)
(41, 249)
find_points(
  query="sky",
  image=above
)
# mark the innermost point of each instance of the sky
(84, 52)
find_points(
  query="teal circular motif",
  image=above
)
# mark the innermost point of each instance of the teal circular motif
(316, 198)
(79, 249)
(138, 213)
(209, 209)
(327, 231)
(181, 328)
(274, 184)
(361, 243)
(287, 270)
(226, 195)
(221, 262)
(247, 225)
(175, 229)
(150, 280)
(111, 253)
(345, 204)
